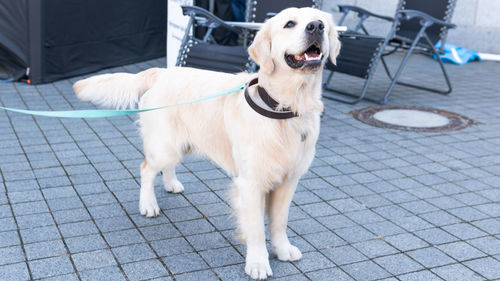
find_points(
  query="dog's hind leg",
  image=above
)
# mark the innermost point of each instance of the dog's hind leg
(281, 198)
(162, 158)
(170, 181)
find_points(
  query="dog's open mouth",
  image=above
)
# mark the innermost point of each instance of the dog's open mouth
(310, 58)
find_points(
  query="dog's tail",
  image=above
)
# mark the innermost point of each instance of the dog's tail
(117, 90)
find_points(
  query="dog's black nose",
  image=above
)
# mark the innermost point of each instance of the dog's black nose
(315, 26)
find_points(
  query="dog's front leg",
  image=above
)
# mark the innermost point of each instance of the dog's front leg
(281, 198)
(250, 212)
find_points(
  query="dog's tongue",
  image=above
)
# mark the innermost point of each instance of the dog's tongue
(312, 56)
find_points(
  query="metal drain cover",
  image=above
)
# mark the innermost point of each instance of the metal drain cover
(411, 118)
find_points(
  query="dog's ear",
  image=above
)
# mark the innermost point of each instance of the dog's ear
(260, 50)
(334, 40)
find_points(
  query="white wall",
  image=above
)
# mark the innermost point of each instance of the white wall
(478, 21)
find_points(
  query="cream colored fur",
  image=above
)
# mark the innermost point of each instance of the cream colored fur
(265, 157)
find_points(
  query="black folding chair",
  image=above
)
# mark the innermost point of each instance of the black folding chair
(205, 53)
(418, 25)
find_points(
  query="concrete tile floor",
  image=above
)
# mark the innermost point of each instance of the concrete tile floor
(377, 204)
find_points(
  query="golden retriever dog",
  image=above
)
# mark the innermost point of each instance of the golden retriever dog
(265, 156)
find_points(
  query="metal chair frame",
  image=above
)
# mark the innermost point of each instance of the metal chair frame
(421, 42)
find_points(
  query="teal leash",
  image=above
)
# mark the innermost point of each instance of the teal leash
(101, 113)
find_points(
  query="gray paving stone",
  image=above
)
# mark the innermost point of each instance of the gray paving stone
(50, 267)
(132, 253)
(234, 272)
(9, 255)
(461, 251)
(354, 234)
(489, 245)
(221, 257)
(306, 226)
(384, 228)
(456, 272)
(335, 274)
(318, 209)
(185, 263)
(194, 227)
(406, 242)
(375, 248)
(183, 214)
(8, 224)
(197, 275)
(487, 267)
(468, 213)
(24, 196)
(173, 246)
(78, 229)
(5, 211)
(14, 272)
(365, 217)
(312, 261)
(73, 215)
(145, 270)
(392, 212)
(366, 270)
(324, 240)
(64, 277)
(157, 232)
(440, 218)
(420, 275)
(30, 208)
(40, 234)
(9, 238)
(58, 192)
(435, 236)
(464, 231)
(123, 237)
(430, 257)
(106, 273)
(45, 249)
(207, 241)
(85, 243)
(93, 260)
(114, 223)
(398, 264)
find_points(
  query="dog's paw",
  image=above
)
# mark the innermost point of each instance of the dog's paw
(287, 252)
(258, 270)
(174, 186)
(149, 207)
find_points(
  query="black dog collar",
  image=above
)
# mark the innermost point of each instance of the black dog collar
(284, 113)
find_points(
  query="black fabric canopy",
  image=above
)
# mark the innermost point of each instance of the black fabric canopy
(47, 40)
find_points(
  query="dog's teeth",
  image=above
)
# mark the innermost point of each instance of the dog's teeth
(307, 57)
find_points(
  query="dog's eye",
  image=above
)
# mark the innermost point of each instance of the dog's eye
(289, 24)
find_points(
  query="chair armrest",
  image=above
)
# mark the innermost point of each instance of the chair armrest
(206, 18)
(362, 12)
(426, 19)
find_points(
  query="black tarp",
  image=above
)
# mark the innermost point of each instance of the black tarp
(56, 39)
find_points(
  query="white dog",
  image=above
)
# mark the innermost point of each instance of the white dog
(265, 156)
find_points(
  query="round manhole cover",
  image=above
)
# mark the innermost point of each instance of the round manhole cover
(411, 118)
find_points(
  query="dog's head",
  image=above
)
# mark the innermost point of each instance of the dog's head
(298, 39)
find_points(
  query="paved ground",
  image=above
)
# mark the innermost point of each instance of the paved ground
(376, 204)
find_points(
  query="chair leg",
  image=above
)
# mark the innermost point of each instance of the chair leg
(350, 98)
(441, 65)
(402, 66)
